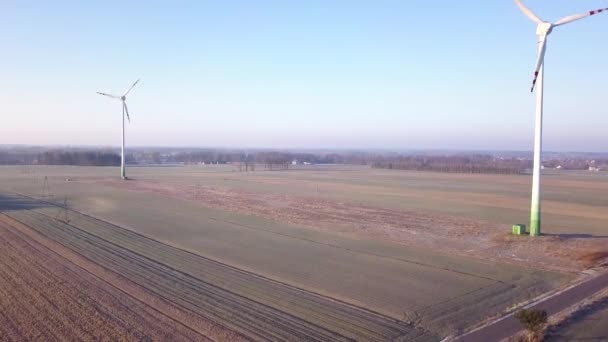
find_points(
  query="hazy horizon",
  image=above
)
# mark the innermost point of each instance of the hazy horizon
(404, 150)
(340, 75)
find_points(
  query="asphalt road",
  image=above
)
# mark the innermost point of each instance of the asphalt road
(510, 326)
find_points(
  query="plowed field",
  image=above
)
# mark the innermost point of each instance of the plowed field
(87, 279)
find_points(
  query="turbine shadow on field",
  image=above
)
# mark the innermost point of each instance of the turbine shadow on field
(11, 203)
(577, 236)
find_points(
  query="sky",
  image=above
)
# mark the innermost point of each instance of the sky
(301, 74)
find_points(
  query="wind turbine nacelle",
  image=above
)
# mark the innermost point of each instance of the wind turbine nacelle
(544, 29)
(123, 97)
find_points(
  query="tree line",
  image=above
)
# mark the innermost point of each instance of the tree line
(60, 157)
(82, 158)
(454, 164)
(282, 160)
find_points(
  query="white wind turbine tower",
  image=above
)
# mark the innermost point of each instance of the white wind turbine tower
(543, 30)
(125, 110)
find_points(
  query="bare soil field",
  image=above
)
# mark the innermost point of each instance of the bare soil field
(49, 293)
(115, 284)
(427, 249)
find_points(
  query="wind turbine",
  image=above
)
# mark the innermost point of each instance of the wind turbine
(125, 110)
(543, 30)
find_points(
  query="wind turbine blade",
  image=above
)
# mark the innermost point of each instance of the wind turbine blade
(108, 95)
(124, 105)
(128, 90)
(540, 59)
(569, 19)
(528, 12)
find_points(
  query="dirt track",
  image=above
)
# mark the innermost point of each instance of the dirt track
(90, 277)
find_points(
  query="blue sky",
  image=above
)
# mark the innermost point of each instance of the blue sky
(291, 74)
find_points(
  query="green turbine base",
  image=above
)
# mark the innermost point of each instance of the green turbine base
(535, 226)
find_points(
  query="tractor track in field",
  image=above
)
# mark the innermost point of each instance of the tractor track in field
(251, 306)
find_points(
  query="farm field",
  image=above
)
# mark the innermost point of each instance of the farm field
(49, 293)
(412, 254)
(199, 297)
(468, 215)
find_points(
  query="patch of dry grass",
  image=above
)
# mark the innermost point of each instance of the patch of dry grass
(594, 258)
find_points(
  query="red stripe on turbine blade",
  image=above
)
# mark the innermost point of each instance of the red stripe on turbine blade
(534, 81)
(598, 11)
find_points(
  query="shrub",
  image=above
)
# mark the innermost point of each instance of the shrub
(533, 320)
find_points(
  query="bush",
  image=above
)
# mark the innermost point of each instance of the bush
(533, 320)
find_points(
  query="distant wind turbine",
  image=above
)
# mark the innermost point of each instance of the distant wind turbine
(543, 30)
(125, 110)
